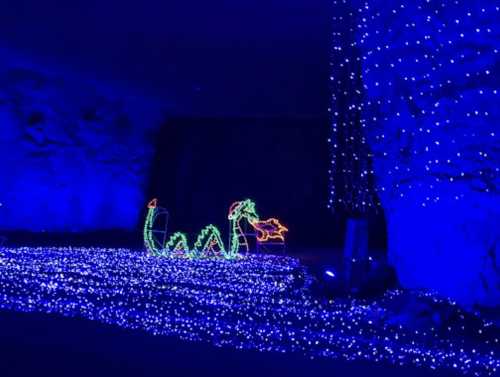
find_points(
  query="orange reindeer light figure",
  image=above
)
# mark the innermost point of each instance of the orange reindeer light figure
(270, 229)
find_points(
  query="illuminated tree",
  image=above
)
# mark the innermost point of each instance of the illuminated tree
(351, 174)
(352, 190)
(431, 79)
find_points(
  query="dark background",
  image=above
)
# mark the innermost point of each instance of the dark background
(41, 345)
(244, 85)
(280, 163)
(205, 58)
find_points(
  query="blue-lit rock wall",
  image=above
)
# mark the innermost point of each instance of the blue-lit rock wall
(431, 71)
(74, 153)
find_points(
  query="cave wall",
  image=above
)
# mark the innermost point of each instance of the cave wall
(431, 73)
(74, 152)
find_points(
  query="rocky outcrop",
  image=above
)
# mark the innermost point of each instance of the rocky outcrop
(431, 72)
(74, 153)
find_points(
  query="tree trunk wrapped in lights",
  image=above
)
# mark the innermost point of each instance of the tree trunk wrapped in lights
(432, 85)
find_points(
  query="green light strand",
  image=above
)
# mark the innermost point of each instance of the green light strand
(239, 211)
(209, 243)
(177, 245)
(149, 241)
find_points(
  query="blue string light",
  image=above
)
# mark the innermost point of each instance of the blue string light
(420, 80)
(257, 303)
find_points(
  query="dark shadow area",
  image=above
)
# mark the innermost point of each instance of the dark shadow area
(206, 58)
(41, 345)
(202, 165)
(103, 238)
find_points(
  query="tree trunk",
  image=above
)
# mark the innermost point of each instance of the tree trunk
(356, 261)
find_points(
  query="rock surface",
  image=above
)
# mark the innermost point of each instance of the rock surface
(431, 72)
(73, 153)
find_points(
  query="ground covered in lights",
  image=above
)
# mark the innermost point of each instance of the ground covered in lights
(259, 303)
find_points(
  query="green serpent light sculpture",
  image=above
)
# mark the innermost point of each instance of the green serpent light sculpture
(209, 241)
